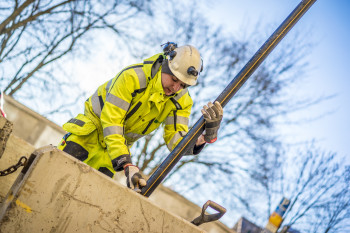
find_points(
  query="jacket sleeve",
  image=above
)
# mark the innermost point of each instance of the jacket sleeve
(176, 123)
(116, 106)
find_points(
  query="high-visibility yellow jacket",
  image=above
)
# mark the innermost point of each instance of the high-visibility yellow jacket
(133, 104)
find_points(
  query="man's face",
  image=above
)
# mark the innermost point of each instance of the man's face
(171, 84)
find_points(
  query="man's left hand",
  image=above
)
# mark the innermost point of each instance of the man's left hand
(212, 115)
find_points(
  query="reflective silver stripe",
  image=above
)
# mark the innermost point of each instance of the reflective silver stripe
(109, 85)
(112, 130)
(134, 136)
(96, 107)
(115, 100)
(179, 120)
(182, 93)
(77, 122)
(141, 76)
(175, 138)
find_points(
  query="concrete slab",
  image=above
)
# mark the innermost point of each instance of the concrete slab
(58, 193)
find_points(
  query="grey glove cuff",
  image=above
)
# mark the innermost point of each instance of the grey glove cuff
(210, 139)
(211, 132)
(120, 161)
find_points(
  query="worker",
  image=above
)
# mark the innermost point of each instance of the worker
(133, 104)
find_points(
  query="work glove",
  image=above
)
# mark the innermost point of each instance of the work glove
(212, 115)
(134, 180)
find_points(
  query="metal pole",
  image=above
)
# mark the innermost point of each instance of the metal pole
(191, 137)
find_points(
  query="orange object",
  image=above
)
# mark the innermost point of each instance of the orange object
(275, 219)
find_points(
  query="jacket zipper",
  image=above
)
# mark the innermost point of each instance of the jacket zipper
(149, 124)
(133, 111)
(175, 119)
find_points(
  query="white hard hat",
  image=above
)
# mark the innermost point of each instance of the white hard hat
(185, 63)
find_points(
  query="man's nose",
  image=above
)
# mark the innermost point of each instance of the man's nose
(177, 86)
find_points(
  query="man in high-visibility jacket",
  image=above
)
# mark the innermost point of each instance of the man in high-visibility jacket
(135, 103)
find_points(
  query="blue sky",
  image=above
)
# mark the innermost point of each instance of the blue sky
(329, 21)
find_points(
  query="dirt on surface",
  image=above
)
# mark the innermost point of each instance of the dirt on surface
(5, 131)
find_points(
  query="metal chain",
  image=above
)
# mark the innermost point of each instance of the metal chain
(21, 162)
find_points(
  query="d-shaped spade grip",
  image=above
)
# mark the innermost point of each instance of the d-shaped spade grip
(203, 218)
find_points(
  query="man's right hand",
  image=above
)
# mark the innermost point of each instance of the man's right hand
(134, 180)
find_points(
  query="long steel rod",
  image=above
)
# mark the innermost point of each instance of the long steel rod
(191, 137)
